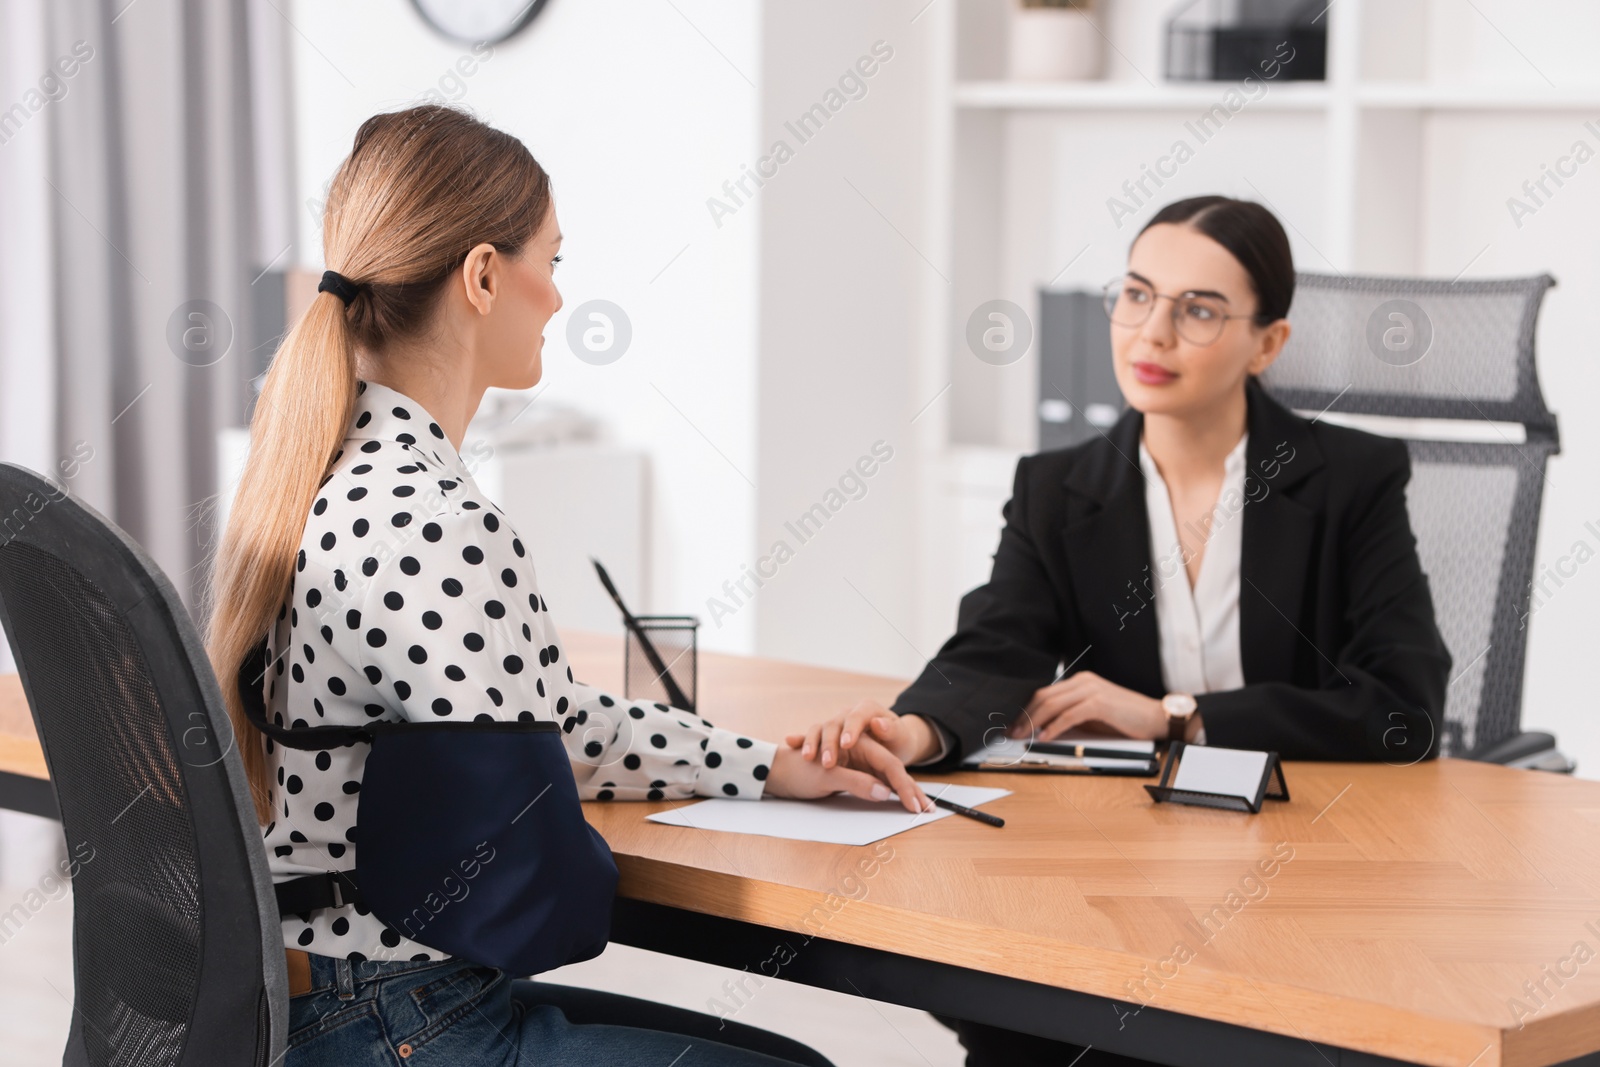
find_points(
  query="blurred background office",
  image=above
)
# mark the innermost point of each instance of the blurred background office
(789, 227)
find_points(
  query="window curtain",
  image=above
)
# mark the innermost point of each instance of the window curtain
(165, 188)
(145, 184)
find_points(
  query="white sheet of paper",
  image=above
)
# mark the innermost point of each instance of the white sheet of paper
(1005, 749)
(840, 819)
(1232, 772)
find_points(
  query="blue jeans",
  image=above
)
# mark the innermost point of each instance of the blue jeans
(449, 1013)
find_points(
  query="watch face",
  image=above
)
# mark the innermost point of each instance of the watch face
(478, 21)
(1178, 705)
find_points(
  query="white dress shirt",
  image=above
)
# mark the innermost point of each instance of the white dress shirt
(1199, 625)
(414, 599)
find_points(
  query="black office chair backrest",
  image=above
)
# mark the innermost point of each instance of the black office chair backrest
(178, 952)
(1463, 352)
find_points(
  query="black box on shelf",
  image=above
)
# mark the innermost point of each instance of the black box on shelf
(1270, 40)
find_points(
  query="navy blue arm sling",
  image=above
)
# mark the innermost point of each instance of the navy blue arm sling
(470, 837)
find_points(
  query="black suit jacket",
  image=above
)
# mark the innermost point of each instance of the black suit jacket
(1342, 658)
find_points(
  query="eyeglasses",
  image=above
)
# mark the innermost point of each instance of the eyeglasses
(1197, 319)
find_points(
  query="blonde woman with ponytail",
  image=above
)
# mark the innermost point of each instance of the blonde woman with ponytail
(388, 588)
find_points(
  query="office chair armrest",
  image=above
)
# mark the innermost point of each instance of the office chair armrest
(1532, 749)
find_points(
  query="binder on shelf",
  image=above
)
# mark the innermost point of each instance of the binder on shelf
(1236, 765)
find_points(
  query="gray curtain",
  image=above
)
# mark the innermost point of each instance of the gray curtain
(160, 304)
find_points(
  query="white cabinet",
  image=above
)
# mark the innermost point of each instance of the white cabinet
(569, 502)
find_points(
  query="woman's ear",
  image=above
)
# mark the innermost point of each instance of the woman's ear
(1273, 337)
(480, 277)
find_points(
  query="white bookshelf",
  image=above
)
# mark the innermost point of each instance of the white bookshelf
(1418, 97)
(1123, 96)
(1290, 96)
(1018, 173)
(1369, 169)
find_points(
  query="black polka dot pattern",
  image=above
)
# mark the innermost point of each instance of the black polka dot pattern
(414, 599)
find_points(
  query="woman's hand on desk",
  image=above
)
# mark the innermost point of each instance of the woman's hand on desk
(909, 737)
(873, 739)
(1085, 697)
(793, 775)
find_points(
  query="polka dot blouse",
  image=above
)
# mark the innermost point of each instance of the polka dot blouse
(414, 599)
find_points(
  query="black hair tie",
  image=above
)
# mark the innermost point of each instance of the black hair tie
(340, 286)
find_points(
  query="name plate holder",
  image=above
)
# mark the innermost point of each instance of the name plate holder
(1233, 779)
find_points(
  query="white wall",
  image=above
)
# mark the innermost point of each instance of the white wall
(776, 348)
(843, 259)
(639, 119)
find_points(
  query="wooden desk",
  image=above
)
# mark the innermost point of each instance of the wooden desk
(1406, 911)
(24, 780)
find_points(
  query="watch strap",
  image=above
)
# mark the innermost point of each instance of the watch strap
(1178, 725)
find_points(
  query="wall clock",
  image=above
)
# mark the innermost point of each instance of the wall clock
(478, 21)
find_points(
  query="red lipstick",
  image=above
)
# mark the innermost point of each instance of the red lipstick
(1152, 374)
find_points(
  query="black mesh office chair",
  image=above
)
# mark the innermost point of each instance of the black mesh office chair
(1461, 352)
(177, 950)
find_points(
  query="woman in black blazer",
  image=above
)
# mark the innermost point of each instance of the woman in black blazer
(1214, 568)
(1341, 656)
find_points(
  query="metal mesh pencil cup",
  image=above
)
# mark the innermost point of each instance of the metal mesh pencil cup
(674, 639)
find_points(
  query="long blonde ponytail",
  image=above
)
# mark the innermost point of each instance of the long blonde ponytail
(419, 189)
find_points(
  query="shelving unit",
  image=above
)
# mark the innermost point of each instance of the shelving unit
(1362, 168)
(1290, 96)
(1116, 96)
(1410, 96)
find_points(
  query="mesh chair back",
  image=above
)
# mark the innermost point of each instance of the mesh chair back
(1475, 511)
(177, 948)
(1457, 350)
(1463, 351)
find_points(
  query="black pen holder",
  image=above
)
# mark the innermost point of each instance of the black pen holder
(673, 637)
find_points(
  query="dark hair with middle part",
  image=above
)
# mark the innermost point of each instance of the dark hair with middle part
(1252, 235)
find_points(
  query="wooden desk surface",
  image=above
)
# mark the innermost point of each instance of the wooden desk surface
(1419, 913)
(19, 745)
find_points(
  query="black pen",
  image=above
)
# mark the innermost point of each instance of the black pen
(971, 813)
